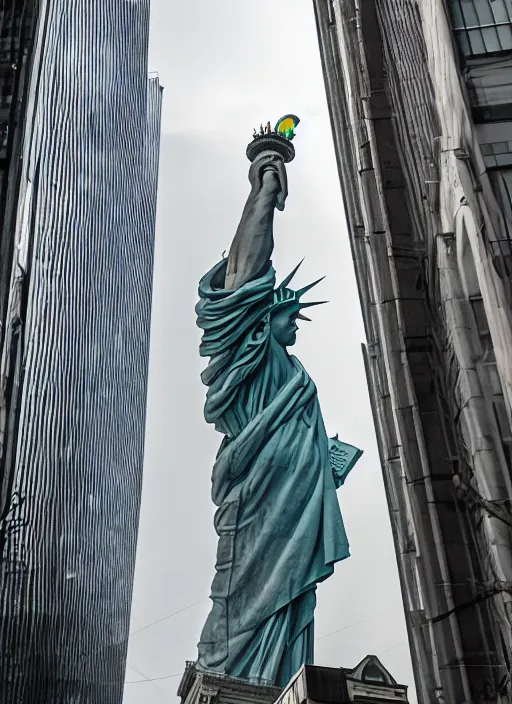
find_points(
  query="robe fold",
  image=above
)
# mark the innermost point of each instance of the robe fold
(278, 520)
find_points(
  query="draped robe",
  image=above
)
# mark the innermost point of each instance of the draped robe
(278, 520)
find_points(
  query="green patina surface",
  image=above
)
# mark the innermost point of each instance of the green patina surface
(275, 477)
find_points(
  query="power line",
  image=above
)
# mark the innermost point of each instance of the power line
(168, 677)
(369, 618)
(142, 674)
(402, 642)
(165, 618)
(178, 674)
(155, 679)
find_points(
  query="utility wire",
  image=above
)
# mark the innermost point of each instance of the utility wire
(155, 679)
(168, 677)
(155, 623)
(369, 618)
(402, 642)
(178, 674)
(142, 674)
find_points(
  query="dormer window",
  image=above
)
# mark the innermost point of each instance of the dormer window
(372, 673)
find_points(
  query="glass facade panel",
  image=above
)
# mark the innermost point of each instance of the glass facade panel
(503, 160)
(502, 182)
(500, 147)
(476, 41)
(495, 141)
(497, 154)
(494, 380)
(489, 81)
(482, 26)
(484, 15)
(504, 33)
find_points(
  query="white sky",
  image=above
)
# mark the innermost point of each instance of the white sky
(227, 66)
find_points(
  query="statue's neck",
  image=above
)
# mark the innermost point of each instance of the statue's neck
(283, 368)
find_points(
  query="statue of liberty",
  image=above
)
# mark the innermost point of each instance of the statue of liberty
(276, 473)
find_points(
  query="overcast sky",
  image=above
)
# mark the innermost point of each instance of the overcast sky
(226, 66)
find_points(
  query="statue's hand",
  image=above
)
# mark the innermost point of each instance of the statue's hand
(268, 178)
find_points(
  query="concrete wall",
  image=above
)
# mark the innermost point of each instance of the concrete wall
(430, 248)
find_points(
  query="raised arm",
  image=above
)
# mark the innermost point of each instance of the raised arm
(252, 246)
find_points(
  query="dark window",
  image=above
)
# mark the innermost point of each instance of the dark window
(497, 154)
(373, 673)
(501, 416)
(501, 181)
(496, 146)
(331, 13)
(481, 318)
(482, 26)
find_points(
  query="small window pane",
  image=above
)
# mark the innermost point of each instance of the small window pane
(488, 25)
(499, 147)
(501, 417)
(476, 41)
(502, 187)
(491, 40)
(457, 15)
(483, 12)
(469, 12)
(464, 43)
(489, 355)
(494, 380)
(481, 317)
(500, 11)
(505, 37)
(504, 159)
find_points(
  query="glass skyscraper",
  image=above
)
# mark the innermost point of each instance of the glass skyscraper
(80, 131)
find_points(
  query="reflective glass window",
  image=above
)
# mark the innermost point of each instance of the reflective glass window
(482, 26)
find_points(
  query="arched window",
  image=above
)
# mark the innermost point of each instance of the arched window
(373, 673)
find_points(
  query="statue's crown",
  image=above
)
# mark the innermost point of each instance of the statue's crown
(287, 296)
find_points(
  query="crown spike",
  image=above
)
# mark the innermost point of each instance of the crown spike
(303, 317)
(290, 275)
(304, 290)
(314, 303)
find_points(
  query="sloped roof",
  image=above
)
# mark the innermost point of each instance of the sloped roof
(357, 672)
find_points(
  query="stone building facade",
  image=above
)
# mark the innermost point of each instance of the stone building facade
(420, 97)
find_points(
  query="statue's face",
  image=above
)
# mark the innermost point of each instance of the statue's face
(283, 327)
